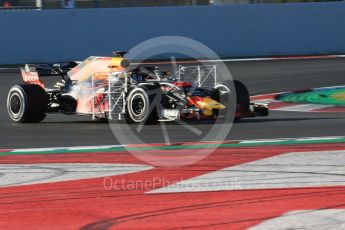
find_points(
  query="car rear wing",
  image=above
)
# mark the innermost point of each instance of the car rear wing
(51, 69)
(31, 73)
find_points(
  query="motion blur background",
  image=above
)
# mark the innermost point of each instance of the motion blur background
(55, 4)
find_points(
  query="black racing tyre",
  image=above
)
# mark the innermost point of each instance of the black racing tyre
(220, 89)
(242, 94)
(143, 103)
(27, 103)
(220, 94)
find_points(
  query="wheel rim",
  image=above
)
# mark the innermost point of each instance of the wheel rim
(138, 105)
(15, 104)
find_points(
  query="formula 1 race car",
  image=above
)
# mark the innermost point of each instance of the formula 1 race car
(107, 88)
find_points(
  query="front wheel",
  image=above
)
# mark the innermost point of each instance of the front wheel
(242, 93)
(143, 103)
(27, 103)
(221, 93)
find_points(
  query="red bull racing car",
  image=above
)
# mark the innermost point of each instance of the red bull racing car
(109, 88)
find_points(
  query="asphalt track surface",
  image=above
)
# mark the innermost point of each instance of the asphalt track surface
(260, 77)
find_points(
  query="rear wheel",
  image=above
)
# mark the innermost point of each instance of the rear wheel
(27, 103)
